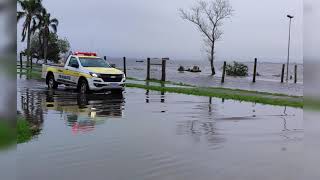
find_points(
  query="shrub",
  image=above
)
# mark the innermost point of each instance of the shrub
(237, 69)
(56, 47)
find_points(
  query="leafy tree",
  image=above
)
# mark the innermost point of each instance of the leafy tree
(53, 49)
(64, 45)
(30, 8)
(56, 47)
(35, 47)
(45, 24)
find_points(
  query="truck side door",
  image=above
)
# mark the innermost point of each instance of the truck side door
(63, 76)
(72, 70)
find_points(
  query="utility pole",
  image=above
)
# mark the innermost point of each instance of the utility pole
(288, 59)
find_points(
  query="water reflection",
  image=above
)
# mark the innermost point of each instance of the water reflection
(162, 93)
(81, 112)
(31, 109)
(198, 129)
(201, 125)
(84, 112)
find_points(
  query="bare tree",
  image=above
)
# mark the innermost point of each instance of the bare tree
(209, 17)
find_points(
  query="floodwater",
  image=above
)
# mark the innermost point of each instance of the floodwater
(153, 135)
(268, 81)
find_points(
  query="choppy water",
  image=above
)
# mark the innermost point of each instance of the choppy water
(268, 81)
(154, 135)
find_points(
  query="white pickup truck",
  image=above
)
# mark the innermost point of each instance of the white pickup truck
(86, 72)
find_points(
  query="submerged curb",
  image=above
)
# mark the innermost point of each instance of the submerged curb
(240, 95)
(235, 94)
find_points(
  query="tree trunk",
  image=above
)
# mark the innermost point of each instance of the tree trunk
(41, 45)
(45, 45)
(28, 46)
(45, 49)
(213, 72)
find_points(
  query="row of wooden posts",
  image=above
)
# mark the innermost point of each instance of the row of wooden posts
(255, 72)
(163, 70)
(27, 65)
(162, 64)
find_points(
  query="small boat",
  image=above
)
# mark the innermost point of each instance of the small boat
(181, 69)
(194, 69)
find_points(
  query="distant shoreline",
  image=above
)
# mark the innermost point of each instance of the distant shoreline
(203, 60)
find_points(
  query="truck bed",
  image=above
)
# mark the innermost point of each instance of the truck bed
(55, 65)
(52, 67)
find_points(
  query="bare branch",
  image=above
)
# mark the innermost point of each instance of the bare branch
(196, 19)
(208, 17)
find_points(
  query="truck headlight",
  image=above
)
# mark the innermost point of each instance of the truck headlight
(94, 74)
(124, 77)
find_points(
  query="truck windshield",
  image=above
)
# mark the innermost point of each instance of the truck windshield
(94, 62)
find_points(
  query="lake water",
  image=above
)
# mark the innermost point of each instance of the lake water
(268, 81)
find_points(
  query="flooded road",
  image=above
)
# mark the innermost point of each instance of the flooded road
(158, 136)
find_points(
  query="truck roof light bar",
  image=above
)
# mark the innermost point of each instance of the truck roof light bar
(85, 53)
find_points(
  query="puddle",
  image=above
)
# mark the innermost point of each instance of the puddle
(141, 82)
(155, 135)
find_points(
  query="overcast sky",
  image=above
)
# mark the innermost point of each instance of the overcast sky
(142, 28)
(311, 30)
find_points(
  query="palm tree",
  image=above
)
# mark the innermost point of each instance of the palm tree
(30, 8)
(44, 25)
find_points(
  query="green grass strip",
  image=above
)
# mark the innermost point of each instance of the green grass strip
(32, 74)
(213, 88)
(24, 132)
(240, 95)
(161, 82)
(7, 134)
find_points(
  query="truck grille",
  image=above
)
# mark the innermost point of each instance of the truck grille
(111, 77)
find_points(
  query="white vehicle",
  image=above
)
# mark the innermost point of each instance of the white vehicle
(86, 72)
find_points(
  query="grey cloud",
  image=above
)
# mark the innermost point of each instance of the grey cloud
(142, 28)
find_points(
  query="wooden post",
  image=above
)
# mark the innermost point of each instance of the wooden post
(31, 62)
(295, 73)
(27, 60)
(224, 71)
(148, 68)
(124, 66)
(163, 77)
(147, 92)
(282, 72)
(20, 61)
(255, 70)
(162, 97)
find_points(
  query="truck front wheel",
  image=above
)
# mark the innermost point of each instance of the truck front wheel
(83, 87)
(52, 84)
